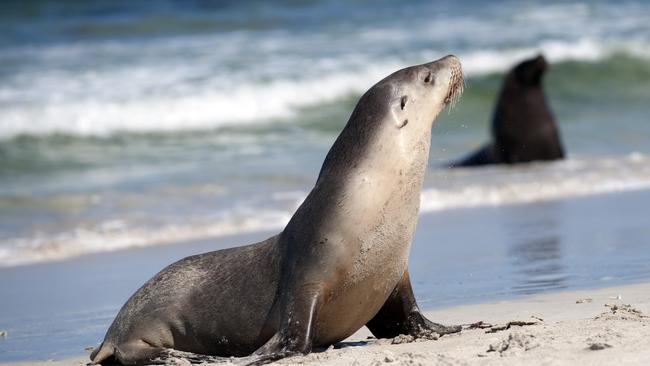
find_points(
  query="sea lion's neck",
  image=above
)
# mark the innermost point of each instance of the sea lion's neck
(366, 183)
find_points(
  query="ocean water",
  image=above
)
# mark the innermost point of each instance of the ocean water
(125, 125)
(138, 124)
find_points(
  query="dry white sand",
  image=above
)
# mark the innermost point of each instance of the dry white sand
(608, 326)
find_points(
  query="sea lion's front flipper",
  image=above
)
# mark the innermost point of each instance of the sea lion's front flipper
(401, 315)
(296, 333)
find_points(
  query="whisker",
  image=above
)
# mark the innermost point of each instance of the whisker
(457, 85)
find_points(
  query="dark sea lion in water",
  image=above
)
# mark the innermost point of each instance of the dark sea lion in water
(339, 264)
(523, 127)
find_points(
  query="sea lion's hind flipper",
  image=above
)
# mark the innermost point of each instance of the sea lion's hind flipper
(401, 315)
(142, 353)
(103, 355)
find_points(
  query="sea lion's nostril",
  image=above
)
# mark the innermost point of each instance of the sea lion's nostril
(404, 123)
(403, 102)
(428, 77)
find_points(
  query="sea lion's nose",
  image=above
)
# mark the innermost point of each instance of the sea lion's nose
(450, 60)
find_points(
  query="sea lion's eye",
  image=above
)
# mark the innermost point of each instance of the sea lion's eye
(428, 77)
(403, 102)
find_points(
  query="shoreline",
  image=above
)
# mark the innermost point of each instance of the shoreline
(593, 326)
(511, 251)
(163, 236)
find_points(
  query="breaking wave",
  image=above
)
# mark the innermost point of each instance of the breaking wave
(176, 98)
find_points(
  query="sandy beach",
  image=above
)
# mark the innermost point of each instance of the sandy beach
(609, 326)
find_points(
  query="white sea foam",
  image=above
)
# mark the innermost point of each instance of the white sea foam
(446, 189)
(501, 185)
(149, 97)
(118, 235)
(489, 61)
(199, 109)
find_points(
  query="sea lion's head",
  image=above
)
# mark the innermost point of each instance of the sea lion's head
(408, 100)
(529, 72)
(390, 127)
(418, 93)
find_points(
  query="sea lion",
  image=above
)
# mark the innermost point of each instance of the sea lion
(523, 127)
(339, 264)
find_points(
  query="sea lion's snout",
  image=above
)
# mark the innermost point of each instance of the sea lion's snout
(456, 80)
(446, 77)
(450, 60)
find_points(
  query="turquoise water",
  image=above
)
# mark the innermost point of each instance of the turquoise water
(138, 124)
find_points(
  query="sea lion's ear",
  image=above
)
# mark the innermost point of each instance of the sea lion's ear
(398, 108)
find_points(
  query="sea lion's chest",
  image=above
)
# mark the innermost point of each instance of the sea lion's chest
(378, 219)
(369, 224)
(368, 271)
(373, 243)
